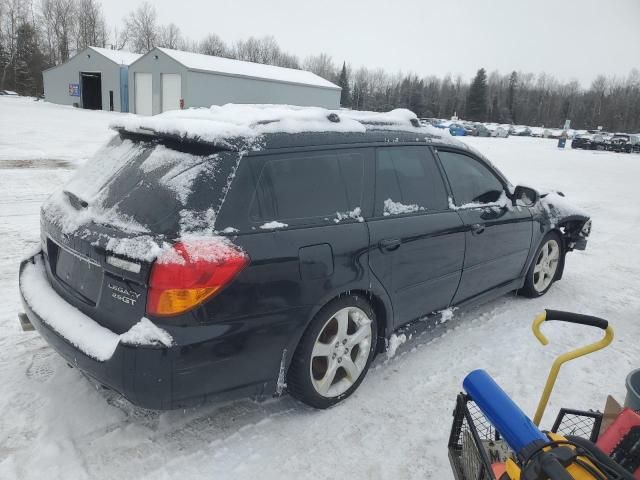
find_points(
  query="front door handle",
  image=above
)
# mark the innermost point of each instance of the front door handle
(390, 244)
(477, 228)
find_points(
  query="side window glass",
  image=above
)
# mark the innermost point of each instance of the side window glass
(471, 181)
(309, 186)
(407, 181)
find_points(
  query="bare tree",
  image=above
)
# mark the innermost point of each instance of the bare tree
(168, 36)
(91, 28)
(322, 65)
(13, 14)
(212, 44)
(264, 50)
(142, 28)
(63, 16)
(188, 45)
(120, 38)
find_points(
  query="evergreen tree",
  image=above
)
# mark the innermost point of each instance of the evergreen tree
(511, 94)
(495, 110)
(29, 62)
(343, 82)
(477, 100)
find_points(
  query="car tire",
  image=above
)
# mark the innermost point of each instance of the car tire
(335, 353)
(545, 267)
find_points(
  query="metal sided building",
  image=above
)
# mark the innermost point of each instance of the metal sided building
(96, 78)
(165, 79)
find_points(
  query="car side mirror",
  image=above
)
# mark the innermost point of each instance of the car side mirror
(525, 196)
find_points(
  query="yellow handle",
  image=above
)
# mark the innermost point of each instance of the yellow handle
(565, 357)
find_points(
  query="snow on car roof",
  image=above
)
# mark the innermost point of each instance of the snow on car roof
(209, 63)
(250, 121)
(121, 57)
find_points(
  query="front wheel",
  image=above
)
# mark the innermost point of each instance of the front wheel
(334, 353)
(544, 269)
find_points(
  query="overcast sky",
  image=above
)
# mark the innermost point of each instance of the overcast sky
(571, 39)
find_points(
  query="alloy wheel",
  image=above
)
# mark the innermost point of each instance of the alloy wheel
(341, 351)
(546, 265)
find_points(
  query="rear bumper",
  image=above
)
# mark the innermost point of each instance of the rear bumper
(205, 363)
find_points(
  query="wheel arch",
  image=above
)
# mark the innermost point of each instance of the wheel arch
(378, 300)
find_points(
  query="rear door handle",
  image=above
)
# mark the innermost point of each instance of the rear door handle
(390, 244)
(477, 228)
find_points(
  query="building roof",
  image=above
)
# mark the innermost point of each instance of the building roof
(228, 66)
(121, 57)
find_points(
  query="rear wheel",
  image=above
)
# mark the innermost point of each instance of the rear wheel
(545, 266)
(334, 354)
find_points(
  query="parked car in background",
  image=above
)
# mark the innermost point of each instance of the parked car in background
(479, 130)
(497, 130)
(520, 131)
(457, 130)
(599, 141)
(468, 127)
(582, 141)
(556, 133)
(177, 269)
(623, 143)
(429, 121)
(537, 132)
(8, 93)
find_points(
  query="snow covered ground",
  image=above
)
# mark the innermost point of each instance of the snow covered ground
(37, 130)
(55, 423)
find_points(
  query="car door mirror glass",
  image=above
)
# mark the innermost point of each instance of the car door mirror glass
(525, 196)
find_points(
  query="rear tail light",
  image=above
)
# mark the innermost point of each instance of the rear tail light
(191, 272)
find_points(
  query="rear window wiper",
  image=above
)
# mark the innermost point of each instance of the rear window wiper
(75, 200)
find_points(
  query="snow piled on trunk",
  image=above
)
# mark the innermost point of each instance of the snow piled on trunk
(78, 329)
(145, 332)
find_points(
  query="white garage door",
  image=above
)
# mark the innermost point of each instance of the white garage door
(171, 91)
(143, 93)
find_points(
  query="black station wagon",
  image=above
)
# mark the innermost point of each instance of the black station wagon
(177, 268)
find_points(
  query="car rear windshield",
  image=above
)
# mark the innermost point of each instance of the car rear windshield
(159, 186)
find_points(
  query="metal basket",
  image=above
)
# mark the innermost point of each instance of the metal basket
(578, 423)
(474, 444)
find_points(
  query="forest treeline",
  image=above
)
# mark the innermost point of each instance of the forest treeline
(38, 34)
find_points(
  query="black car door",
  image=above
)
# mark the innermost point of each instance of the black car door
(416, 243)
(498, 236)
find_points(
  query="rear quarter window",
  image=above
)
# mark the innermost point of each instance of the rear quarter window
(307, 187)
